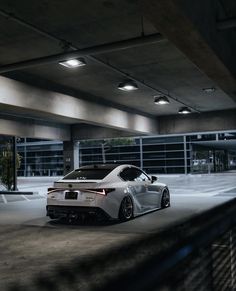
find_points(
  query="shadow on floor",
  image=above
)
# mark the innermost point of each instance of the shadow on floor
(88, 221)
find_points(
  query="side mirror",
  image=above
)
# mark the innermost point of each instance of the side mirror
(153, 179)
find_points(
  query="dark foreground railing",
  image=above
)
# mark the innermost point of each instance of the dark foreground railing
(17, 192)
(198, 254)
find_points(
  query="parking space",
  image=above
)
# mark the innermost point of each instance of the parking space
(201, 185)
(37, 185)
(181, 185)
(14, 198)
(32, 243)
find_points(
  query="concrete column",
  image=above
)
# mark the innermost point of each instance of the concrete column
(226, 161)
(70, 155)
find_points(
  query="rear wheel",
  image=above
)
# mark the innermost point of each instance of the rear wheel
(126, 209)
(165, 200)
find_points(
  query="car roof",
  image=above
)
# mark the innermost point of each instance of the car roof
(99, 166)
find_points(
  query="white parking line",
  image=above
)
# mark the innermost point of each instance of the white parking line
(193, 195)
(219, 191)
(202, 193)
(4, 199)
(25, 197)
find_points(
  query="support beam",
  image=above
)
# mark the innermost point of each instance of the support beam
(192, 27)
(86, 131)
(100, 49)
(34, 130)
(210, 121)
(38, 103)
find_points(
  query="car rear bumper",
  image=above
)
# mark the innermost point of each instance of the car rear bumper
(55, 211)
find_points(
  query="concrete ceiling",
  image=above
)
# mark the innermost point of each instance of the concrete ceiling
(181, 65)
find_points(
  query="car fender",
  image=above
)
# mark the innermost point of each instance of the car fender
(111, 203)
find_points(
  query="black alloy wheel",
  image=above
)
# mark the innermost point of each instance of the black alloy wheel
(165, 200)
(126, 209)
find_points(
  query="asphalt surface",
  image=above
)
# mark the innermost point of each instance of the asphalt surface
(31, 244)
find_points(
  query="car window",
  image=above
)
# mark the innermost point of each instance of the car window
(128, 174)
(141, 176)
(133, 174)
(88, 174)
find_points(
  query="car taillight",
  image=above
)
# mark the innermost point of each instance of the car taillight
(51, 190)
(101, 191)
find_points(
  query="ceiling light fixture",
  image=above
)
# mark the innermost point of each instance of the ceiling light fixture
(73, 63)
(209, 90)
(128, 85)
(161, 100)
(184, 110)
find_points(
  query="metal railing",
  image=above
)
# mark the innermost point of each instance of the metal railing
(197, 254)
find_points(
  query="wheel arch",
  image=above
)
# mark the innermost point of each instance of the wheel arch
(165, 189)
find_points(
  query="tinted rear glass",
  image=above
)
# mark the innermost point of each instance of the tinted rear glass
(88, 174)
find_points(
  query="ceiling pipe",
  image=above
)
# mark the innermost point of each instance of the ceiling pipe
(13, 17)
(149, 86)
(100, 49)
(157, 37)
(226, 24)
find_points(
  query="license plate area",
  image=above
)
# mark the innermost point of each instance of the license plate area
(71, 195)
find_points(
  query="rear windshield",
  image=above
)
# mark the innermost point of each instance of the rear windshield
(88, 174)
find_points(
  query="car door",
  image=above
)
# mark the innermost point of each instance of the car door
(150, 197)
(139, 185)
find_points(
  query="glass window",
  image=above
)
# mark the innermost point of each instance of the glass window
(158, 140)
(88, 174)
(227, 135)
(133, 174)
(201, 137)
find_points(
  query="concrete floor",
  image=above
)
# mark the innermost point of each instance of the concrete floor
(31, 244)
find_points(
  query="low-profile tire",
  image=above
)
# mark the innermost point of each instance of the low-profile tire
(126, 211)
(165, 200)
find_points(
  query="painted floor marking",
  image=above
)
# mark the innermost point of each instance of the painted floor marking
(203, 194)
(4, 199)
(27, 199)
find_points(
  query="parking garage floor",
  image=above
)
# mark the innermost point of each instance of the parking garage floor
(31, 244)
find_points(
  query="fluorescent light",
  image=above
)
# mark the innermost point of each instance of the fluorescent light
(128, 85)
(73, 63)
(184, 110)
(162, 100)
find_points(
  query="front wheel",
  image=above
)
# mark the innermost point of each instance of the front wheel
(126, 209)
(165, 200)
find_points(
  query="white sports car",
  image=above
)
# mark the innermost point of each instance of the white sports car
(116, 191)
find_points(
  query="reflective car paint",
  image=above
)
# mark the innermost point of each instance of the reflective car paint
(146, 196)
